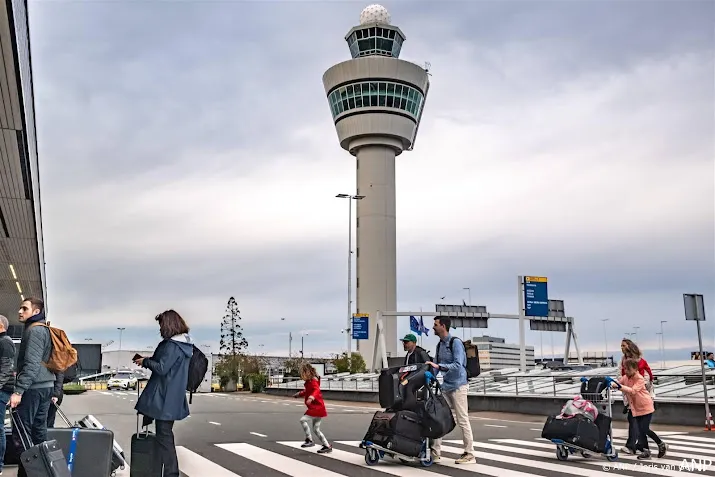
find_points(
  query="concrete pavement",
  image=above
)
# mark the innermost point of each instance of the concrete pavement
(230, 435)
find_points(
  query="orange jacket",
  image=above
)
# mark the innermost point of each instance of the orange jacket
(639, 398)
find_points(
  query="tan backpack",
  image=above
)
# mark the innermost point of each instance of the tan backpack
(63, 355)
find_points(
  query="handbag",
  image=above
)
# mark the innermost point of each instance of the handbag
(436, 415)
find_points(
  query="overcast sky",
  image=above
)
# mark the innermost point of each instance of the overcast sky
(188, 154)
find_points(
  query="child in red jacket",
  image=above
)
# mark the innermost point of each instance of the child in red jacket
(316, 408)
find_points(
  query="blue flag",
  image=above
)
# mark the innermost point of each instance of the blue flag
(423, 328)
(414, 325)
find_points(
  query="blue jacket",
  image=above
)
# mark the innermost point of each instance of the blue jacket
(164, 397)
(451, 364)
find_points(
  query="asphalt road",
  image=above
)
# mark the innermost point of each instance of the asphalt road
(230, 435)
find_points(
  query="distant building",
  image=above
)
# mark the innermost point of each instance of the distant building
(495, 353)
(122, 360)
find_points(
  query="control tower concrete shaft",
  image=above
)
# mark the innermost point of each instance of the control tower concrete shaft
(376, 100)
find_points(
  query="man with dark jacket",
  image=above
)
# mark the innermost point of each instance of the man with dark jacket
(7, 378)
(415, 354)
(57, 395)
(34, 382)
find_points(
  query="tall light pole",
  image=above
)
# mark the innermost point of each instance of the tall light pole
(350, 267)
(662, 342)
(605, 337)
(469, 292)
(636, 333)
(120, 337)
(302, 343)
(660, 339)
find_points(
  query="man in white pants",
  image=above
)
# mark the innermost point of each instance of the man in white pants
(451, 360)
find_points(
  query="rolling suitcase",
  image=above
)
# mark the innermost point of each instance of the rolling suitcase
(398, 386)
(119, 461)
(143, 448)
(399, 431)
(45, 459)
(88, 451)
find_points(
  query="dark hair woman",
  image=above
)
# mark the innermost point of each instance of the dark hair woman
(164, 397)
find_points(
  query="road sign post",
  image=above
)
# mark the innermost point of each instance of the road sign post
(533, 299)
(695, 311)
(361, 326)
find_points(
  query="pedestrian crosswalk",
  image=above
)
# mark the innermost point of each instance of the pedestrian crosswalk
(502, 457)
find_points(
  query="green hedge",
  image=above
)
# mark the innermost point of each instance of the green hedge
(74, 388)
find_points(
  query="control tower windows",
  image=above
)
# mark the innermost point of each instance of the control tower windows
(375, 41)
(376, 94)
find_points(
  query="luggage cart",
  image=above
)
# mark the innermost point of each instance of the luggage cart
(374, 452)
(602, 398)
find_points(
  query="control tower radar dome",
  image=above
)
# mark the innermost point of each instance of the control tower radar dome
(375, 14)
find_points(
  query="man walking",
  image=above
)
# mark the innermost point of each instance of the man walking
(451, 358)
(7, 378)
(415, 354)
(34, 382)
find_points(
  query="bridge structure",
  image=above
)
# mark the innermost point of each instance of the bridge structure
(22, 261)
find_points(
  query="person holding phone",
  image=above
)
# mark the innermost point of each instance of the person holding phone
(164, 397)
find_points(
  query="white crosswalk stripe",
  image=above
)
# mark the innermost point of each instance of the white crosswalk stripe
(496, 458)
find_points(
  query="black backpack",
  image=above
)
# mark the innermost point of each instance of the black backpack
(472, 363)
(71, 373)
(198, 366)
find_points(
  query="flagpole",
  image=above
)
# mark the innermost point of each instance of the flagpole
(420, 330)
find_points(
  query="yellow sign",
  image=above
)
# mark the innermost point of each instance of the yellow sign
(361, 315)
(536, 279)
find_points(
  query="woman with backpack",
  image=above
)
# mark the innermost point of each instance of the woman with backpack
(164, 397)
(631, 351)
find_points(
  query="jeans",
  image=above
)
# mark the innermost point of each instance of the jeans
(643, 423)
(457, 401)
(166, 449)
(310, 422)
(633, 434)
(52, 412)
(32, 412)
(4, 399)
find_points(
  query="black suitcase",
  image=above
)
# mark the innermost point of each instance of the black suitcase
(42, 460)
(118, 458)
(577, 430)
(398, 431)
(389, 387)
(143, 448)
(603, 423)
(398, 386)
(91, 454)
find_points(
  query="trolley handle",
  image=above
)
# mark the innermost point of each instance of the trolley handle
(610, 380)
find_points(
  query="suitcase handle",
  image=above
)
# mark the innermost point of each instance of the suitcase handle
(146, 432)
(63, 416)
(25, 439)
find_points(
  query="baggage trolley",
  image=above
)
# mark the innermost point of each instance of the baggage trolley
(603, 400)
(374, 452)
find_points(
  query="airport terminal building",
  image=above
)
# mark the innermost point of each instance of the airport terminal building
(22, 261)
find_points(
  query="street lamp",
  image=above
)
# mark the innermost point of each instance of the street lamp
(350, 264)
(605, 337)
(636, 333)
(120, 337)
(469, 291)
(302, 335)
(662, 341)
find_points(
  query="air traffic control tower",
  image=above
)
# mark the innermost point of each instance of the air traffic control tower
(376, 100)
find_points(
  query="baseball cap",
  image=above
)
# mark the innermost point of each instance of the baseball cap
(410, 337)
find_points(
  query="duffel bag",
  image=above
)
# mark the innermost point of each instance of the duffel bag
(436, 416)
(578, 430)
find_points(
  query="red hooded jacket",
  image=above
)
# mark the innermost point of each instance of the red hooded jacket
(642, 369)
(316, 408)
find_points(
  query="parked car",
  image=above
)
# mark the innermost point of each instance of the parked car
(122, 381)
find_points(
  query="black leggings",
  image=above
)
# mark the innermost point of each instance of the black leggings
(636, 426)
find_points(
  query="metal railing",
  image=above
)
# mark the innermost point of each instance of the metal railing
(671, 384)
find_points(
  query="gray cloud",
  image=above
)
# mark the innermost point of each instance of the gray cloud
(188, 155)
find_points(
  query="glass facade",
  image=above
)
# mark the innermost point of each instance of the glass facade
(375, 41)
(383, 94)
